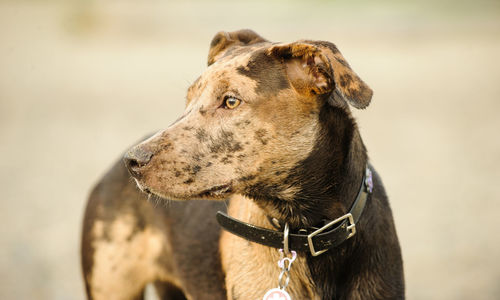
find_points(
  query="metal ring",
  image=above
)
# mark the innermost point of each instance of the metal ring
(285, 239)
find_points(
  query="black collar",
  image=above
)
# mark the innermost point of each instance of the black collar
(315, 240)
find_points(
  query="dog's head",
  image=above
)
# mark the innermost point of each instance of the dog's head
(252, 118)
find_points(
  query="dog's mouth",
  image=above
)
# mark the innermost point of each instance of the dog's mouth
(218, 192)
(145, 189)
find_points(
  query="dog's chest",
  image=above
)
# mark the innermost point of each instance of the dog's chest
(252, 269)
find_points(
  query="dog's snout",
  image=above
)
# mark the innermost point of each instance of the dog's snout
(136, 158)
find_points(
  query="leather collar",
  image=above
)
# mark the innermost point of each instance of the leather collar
(313, 240)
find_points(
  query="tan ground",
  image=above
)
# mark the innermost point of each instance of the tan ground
(81, 81)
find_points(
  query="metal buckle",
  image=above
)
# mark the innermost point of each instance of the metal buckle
(350, 226)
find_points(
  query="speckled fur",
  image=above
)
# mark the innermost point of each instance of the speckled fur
(290, 150)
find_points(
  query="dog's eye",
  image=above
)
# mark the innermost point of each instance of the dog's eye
(231, 102)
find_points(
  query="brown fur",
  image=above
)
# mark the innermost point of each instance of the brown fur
(291, 150)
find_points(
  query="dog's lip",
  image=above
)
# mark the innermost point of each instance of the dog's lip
(215, 192)
(218, 191)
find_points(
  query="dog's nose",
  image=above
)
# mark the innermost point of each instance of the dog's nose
(136, 158)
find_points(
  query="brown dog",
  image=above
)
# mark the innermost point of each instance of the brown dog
(267, 126)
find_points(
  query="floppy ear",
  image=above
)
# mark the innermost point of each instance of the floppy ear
(307, 68)
(348, 86)
(223, 41)
(317, 67)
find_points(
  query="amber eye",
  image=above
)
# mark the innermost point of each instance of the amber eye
(231, 102)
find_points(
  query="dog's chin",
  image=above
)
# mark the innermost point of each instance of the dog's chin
(217, 192)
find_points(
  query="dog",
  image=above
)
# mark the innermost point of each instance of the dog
(269, 137)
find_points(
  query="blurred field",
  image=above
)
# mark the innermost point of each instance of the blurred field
(80, 81)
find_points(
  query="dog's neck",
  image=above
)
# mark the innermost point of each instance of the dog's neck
(328, 179)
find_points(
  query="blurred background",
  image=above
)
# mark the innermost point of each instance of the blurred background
(82, 80)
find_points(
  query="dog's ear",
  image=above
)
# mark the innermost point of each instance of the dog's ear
(223, 41)
(318, 68)
(307, 68)
(348, 86)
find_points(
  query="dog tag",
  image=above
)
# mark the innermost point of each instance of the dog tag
(276, 294)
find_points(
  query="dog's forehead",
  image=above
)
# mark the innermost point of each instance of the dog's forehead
(223, 69)
(233, 60)
(248, 65)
